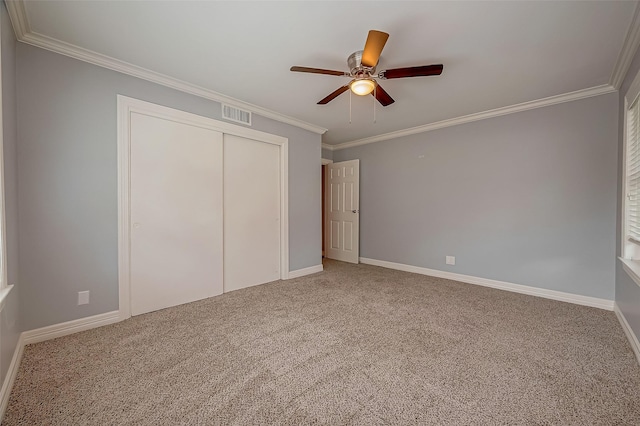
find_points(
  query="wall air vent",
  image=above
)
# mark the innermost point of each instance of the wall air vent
(236, 114)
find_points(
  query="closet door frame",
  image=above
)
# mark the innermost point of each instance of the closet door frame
(127, 106)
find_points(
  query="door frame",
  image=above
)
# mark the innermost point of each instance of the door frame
(125, 107)
(324, 162)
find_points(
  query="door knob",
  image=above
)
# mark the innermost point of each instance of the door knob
(355, 211)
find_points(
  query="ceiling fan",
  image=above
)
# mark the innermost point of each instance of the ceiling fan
(363, 67)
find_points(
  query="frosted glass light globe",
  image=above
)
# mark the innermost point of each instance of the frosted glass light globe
(362, 87)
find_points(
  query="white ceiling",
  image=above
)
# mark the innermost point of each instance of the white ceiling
(495, 54)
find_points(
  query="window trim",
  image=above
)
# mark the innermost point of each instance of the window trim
(5, 288)
(629, 248)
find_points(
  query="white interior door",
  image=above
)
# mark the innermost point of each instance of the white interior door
(176, 213)
(342, 228)
(251, 212)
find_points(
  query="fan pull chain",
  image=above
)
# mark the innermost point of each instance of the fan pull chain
(349, 106)
(375, 88)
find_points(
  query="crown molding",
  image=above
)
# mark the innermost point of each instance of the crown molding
(552, 100)
(19, 18)
(628, 51)
(22, 29)
(108, 62)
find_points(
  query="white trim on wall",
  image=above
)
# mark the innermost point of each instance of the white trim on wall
(19, 19)
(620, 69)
(124, 225)
(22, 29)
(305, 271)
(126, 106)
(632, 268)
(43, 334)
(501, 285)
(525, 106)
(69, 327)
(5, 287)
(326, 161)
(628, 247)
(10, 378)
(633, 340)
(24, 34)
(628, 51)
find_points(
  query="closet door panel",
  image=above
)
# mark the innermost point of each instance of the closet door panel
(176, 213)
(251, 212)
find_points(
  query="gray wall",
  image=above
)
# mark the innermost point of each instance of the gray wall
(627, 291)
(67, 182)
(9, 317)
(327, 154)
(527, 198)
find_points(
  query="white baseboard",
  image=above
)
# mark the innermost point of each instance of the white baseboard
(10, 378)
(633, 339)
(305, 271)
(516, 288)
(46, 333)
(69, 327)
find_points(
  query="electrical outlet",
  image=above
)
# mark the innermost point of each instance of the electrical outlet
(451, 260)
(83, 297)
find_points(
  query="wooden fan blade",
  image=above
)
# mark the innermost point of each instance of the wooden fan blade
(420, 71)
(373, 48)
(382, 96)
(334, 95)
(319, 71)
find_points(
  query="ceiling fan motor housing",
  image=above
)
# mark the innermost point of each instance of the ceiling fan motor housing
(355, 65)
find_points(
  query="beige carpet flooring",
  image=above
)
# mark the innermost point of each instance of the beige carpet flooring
(355, 344)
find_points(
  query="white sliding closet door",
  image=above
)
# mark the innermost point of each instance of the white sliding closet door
(251, 212)
(176, 235)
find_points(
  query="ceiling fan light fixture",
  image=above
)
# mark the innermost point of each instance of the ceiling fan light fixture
(362, 87)
(362, 68)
